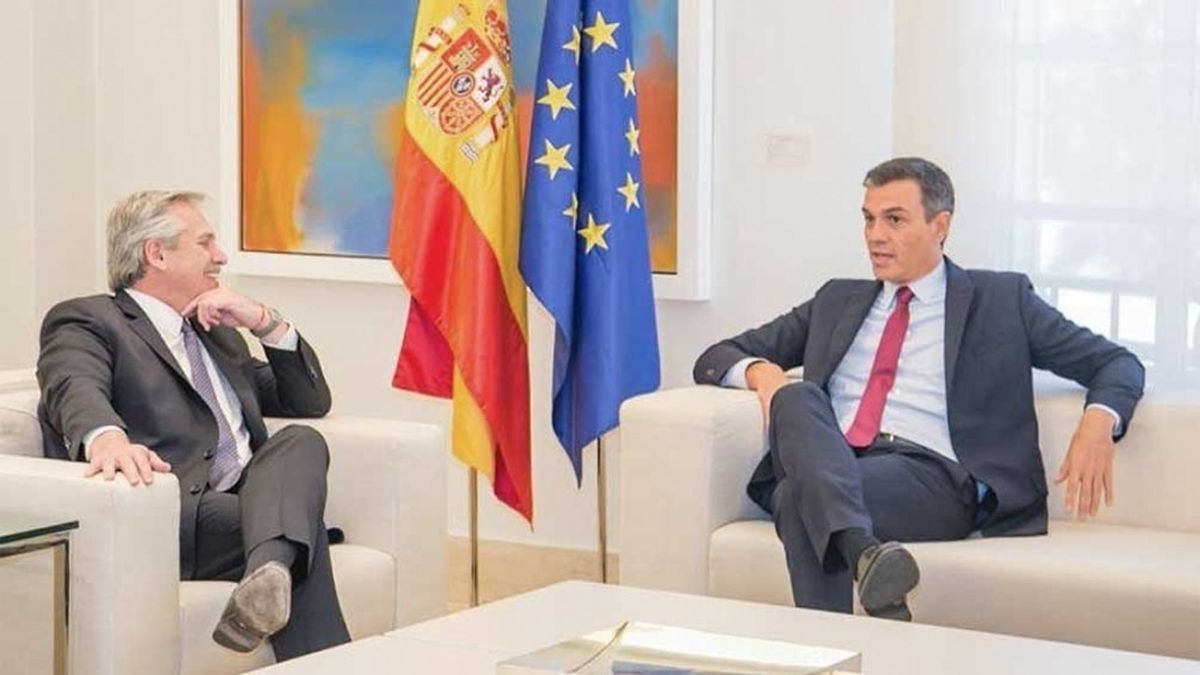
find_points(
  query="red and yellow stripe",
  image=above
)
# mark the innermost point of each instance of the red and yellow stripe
(455, 241)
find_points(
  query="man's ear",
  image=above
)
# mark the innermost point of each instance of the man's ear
(942, 222)
(153, 253)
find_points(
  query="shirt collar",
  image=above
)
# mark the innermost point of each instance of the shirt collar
(930, 287)
(166, 320)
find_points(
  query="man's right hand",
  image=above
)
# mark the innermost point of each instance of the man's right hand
(111, 452)
(765, 378)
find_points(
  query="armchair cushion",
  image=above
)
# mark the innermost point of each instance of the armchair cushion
(20, 433)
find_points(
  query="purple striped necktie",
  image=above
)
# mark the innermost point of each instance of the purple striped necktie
(225, 459)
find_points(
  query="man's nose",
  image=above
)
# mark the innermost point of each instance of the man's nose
(219, 256)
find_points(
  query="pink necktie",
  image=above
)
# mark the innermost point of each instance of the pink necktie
(865, 428)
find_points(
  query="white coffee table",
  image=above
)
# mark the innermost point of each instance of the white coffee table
(474, 641)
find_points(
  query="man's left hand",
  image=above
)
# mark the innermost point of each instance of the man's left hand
(225, 307)
(1088, 467)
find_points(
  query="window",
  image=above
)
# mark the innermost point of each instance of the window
(1072, 130)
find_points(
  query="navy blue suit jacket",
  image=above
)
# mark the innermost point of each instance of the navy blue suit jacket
(997, 330)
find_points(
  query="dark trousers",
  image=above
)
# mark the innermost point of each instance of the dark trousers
(897, 490)
(281, 494)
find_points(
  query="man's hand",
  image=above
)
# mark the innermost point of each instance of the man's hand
(226, 307)
(765, 378)
(1088, 467)
(111, 452)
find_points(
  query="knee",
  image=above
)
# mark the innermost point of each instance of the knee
(797, 396)
(306, 440)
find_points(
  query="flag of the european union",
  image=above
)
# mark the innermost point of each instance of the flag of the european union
(584, 248)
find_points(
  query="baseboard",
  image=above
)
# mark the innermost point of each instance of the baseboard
(508, 569)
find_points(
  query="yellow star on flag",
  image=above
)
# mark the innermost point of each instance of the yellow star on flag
(629, 192)
(601, 33)
(557, 98)
(632, 136)
(572, 211)
(627, 77)
(593, 235)
(572, 45)
(555, 159)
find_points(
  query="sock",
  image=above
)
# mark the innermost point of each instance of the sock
(278, 549)
(851, 543)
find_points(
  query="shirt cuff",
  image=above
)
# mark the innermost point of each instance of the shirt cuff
(289, 342)
(1118, 424)
(736, 375)
(92, 435)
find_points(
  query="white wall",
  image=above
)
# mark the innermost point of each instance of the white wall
(815, 76)
(16, 182)
(47, 164)
(66, 239)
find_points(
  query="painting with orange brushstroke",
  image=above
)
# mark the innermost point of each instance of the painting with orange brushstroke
(322, 93)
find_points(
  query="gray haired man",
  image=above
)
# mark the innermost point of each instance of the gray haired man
(156, 378)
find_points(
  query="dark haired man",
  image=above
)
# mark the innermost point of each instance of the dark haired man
(915, 418)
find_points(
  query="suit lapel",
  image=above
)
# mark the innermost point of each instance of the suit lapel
(141, 325)
(959, 289)
(857, 306)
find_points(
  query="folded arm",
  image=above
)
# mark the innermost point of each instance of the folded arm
(291, 384)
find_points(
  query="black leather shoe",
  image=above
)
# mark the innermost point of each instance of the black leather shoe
(259, 607)
(886, 574)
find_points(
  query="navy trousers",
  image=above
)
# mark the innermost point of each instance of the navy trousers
(898, 490)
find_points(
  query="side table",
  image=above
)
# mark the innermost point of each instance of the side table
(22, 534)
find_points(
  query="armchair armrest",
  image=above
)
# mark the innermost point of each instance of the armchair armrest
(686, 456)
(124, 561)
(387, 491)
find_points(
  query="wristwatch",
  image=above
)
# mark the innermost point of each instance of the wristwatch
(274, 319)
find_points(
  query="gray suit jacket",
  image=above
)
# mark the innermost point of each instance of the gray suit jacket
(997, 330)
(102, 362)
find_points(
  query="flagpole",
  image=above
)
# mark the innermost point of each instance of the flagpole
(472, 476)
(602, 507)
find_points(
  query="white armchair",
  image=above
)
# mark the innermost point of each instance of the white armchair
(129, 611)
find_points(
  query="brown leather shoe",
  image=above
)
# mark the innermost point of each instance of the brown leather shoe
(886, 574)
(259, 607)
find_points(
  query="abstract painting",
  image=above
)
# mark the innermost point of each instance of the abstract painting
(322, 86)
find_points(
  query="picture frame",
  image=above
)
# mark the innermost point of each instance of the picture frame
(690, 279)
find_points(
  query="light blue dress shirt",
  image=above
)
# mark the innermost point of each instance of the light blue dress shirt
(916, 406)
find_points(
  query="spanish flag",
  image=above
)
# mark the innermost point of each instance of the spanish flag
(455, 239)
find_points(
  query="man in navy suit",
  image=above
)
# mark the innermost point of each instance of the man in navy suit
(915, 418)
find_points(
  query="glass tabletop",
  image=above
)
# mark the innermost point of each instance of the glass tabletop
(18, 527)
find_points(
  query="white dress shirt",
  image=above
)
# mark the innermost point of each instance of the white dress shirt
(169, 325)
(916, 406)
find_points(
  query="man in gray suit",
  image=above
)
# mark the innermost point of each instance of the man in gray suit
(915, 418)
(156, 378)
